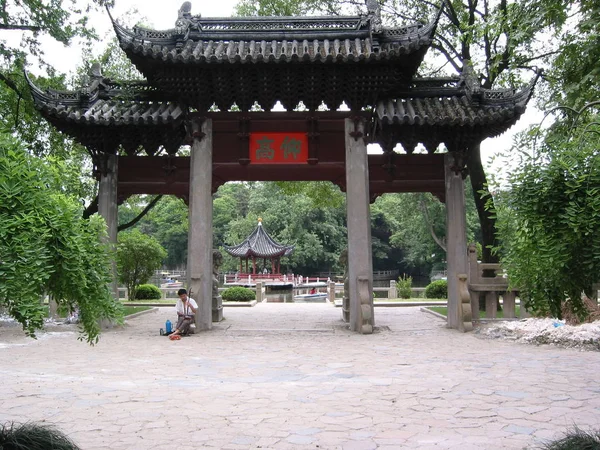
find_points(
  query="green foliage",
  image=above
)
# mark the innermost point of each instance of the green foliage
(238, 294)
(138, 257)
(576, 439)
(46, 247)
(549, 221)
(167, 222)
(32, 436)
(274, 7)
(147, 292)
(575, 76)
(404, 286)
(437, 289)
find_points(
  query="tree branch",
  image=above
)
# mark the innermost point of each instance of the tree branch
(449, 57)
(148, 207)
(5, 26)
(437, 240)
(11, 84)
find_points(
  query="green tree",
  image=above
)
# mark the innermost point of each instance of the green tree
(138, 257)
(549, 219)
(47, 248)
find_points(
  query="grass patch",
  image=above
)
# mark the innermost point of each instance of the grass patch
(443, 310)
(128, 310)
(439, 309)
(576, 439)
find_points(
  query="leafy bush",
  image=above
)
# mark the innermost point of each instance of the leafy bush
(138, 256)
(404, 285)
(47, 248)
(147, 292)
(437, 289)
(238, 294)
(548, 223)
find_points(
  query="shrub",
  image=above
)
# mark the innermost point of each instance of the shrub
(576, 439)
(404, 285)
(238, 294)
(147, 292)
(437, 289)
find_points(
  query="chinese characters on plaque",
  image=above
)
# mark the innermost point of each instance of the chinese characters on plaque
(278, 148)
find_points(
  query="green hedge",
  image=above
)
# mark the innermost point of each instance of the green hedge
(437, 289)
(238, 294)
(147, 292)
(404, 286)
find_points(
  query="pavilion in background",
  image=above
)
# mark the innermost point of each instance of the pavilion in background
(259, 245)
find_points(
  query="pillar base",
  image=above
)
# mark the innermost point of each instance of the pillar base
(217, 309)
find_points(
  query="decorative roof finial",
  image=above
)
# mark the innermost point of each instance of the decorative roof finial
(184, 18)
(374, 12)
(260, 221)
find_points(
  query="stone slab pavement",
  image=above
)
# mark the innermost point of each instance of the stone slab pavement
(291, 376)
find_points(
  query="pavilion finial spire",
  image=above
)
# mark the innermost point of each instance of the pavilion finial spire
(260, 221)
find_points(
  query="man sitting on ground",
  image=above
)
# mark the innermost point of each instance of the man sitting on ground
(186, 308)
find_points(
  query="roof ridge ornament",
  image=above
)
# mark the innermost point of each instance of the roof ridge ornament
(184, 22)
(374, 15)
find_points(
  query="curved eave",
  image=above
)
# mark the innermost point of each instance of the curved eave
(520, 98)
(250, 52)
(52, 97)
(201, 48)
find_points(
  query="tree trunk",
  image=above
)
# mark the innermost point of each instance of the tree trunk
(483, 197)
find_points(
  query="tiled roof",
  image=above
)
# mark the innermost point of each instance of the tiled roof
(260, 245)
(113, 116)
(313, 60)
(453, 106)
(198, 40)
(207, 51)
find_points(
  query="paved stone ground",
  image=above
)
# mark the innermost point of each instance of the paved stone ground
(290, 376)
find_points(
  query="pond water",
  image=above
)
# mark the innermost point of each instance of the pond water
(288, 296)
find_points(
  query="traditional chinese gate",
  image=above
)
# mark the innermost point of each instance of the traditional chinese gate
(134, 131)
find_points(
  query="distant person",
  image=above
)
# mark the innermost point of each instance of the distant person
(313, 291)
(186, 308)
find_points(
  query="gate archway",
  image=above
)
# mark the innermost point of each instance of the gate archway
(133, 131)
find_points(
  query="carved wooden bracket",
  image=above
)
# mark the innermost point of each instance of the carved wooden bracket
(169, 168)
(460, 164)
(356, 134)
(193, 128)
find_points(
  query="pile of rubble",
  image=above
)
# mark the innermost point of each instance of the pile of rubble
(545, 331)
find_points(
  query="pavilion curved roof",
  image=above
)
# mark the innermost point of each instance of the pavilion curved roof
(243, 60)
(106, 115)
(260, 245)
(453, 110)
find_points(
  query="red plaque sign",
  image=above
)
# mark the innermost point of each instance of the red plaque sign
(278, 148)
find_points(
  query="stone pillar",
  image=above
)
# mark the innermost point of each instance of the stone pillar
(360, 264)
(456, 238)
(393, 291)
(107, 207)
(259, 292)
(331, 292)
(200, 249)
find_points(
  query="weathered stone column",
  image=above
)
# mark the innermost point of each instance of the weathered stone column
(200, 249)
(456, 238)
(360, 263)
(107, 206)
